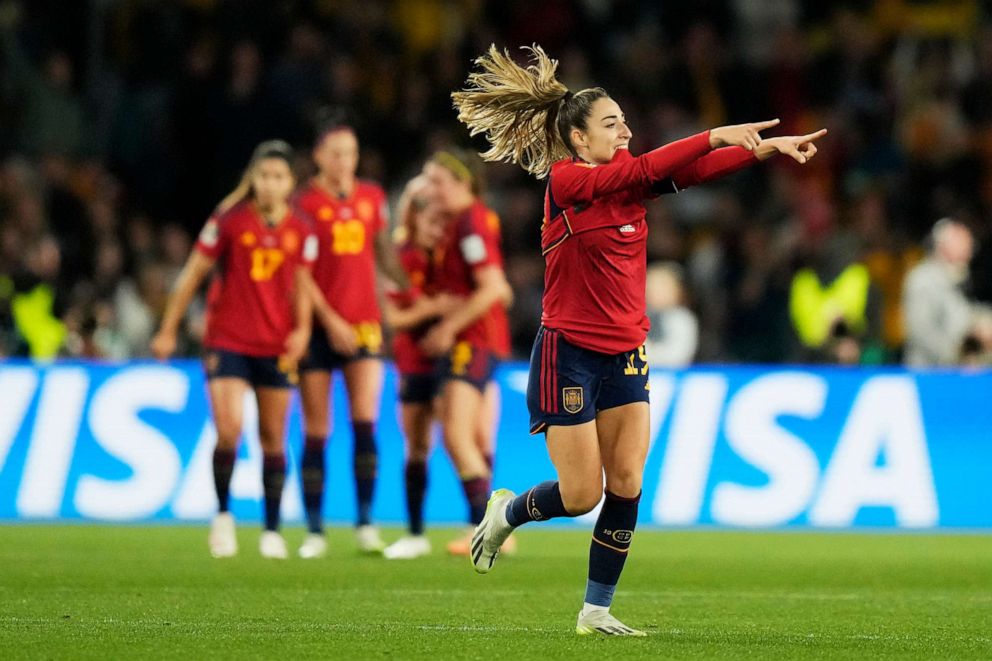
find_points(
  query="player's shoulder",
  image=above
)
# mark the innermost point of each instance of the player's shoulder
(369, 188)
(236, 214)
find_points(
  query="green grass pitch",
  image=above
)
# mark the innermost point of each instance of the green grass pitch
(102, 592)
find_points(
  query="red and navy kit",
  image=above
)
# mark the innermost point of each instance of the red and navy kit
(417, 370)
(250, 308)
(594, 240)
(472, 242)
(345, 272)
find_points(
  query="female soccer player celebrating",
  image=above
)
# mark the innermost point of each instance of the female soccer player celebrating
(469, 265)
(258, 325)
(351, 218)
(588, 388)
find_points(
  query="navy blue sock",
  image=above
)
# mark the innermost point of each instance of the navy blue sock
(223, 467)
(608, 551)
(366, 466)
(477, 495)
(415, 477)
(538, 504)
(312, 476)
(273, 480)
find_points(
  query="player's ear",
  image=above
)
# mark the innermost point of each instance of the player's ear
(578, 138)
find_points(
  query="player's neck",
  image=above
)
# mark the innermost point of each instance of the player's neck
(339, 187)
(272, 214)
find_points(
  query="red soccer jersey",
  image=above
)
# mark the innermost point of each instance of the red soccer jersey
(347, 229)
(406, 352)
(594, 237)
(249, 305)
(472, 241)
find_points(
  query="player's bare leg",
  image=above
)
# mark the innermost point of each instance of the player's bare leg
(623, 439)
(417, 421)
(363, 379)
(461, 403)
(227, 408)
(273, 403)
(315, 386)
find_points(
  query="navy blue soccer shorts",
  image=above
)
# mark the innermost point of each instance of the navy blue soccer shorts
(418, 388)
(321, 356)
(568, 385)
(467, 362)
(265, 372)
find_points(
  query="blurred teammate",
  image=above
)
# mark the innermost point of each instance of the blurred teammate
(258, 326)
(410, 314)
(351, 219)
(588, 387)
(467, 340)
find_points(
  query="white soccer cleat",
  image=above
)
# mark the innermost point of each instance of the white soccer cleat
(222, 539)
(368, 539)
(601, 622)
(314, 546)
(272, 545)
(408, 548)
(492, 532)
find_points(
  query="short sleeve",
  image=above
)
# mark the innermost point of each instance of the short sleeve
(212, 241)
(479, 244)
(311, 247)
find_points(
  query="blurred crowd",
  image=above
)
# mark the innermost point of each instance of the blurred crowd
(123, 122)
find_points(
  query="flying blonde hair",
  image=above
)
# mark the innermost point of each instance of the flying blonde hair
(517, 108)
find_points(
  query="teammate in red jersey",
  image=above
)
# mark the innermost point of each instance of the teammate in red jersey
(467, 264)
(588, 387)
(350, 218)
(258, 325)
(410, 313)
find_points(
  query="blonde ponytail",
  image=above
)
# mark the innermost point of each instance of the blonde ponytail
(516, 108)
(238, 195)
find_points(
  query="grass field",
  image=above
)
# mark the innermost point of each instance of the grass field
(116, 592)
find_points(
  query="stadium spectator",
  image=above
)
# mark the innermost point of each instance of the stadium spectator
(939, 314)
(674, 335)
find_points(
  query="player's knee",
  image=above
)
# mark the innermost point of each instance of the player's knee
(579, 500)
(624, 481)
(228, 432)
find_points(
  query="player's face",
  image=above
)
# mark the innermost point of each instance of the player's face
(430, 227)
(445, 191)
(272, 181)
(606, 132)
(337, 155)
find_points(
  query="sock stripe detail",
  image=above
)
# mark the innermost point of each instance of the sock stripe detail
(617, 549)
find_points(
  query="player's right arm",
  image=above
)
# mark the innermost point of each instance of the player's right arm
(190, 278)
(423, 308)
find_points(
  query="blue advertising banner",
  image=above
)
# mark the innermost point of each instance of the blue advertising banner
(731, 446)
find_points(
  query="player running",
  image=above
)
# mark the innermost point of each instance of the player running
(469, 265)
(350, 218)
(258, 326)
(588, 387)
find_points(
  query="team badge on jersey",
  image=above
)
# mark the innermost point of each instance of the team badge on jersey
(290, 242)
(365, 209)
(248, 239)
(325, 213)
(571, 399)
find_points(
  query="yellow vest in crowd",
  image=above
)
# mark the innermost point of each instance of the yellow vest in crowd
(815, 308)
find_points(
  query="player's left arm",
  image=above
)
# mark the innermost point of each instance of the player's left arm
(491, 287)
(720, 163)
(298, 339)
